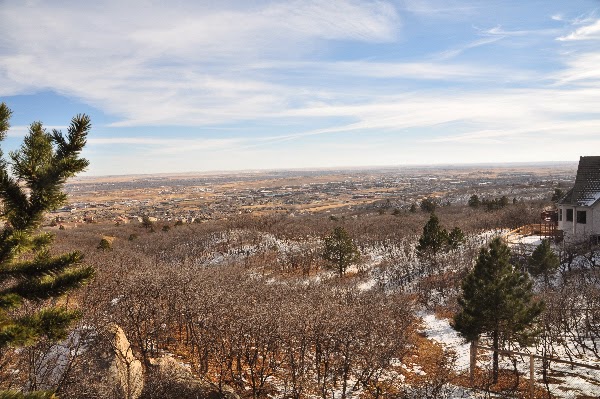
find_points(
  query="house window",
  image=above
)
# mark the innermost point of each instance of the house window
(581, 217)
(569, 215)
(560, 215)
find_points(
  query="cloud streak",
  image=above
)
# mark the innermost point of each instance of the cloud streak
(178, 64)
(587, 32)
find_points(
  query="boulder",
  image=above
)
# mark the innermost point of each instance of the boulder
(171, 378)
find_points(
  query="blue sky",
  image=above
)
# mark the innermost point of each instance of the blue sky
(233, 85)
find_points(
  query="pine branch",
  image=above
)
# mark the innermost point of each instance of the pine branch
(5, 114)
(14, 199)
(42, 266)
(17, 334)
(14, 242)
(28, 395)
(10, 301)
(50, 322)
(42, 241)
(34, 156)
(52, 286)
(78, 130)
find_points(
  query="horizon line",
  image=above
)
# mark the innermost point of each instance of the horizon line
(335, 168)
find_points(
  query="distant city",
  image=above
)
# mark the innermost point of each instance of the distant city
(193, 198)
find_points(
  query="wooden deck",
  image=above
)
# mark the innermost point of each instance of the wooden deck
(544, 230)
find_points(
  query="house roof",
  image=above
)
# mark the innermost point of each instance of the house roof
(586, 191)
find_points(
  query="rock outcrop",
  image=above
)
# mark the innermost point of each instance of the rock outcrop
(125, 370)
(171, 378)
(93, 364)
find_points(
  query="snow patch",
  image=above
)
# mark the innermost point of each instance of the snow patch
(439, 330)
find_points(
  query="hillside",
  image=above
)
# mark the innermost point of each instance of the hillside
(246, 304)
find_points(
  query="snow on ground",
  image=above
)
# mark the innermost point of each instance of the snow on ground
(375, 259)
(569, 382)
(367, 285)
(439, 330)
(566, 380)
(485, 236)
(529, 240)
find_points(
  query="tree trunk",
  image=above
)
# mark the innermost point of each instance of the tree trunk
(495, 357)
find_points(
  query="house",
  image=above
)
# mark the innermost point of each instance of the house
(579, 208)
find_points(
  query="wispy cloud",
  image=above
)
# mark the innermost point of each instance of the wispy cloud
(439, 8)
(539, 131)
(167, 145)
(181, 64)
(581, 69)
(590, 31)
(499, 31)
(21, 130)
(451, 53)
(498, 116)
(492, 35)
(439, 69)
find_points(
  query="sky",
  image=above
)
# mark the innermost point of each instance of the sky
(184, 86)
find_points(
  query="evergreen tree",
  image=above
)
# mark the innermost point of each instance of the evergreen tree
(543, 261)
(429, 204)
(456, 238)
(31, 181)
(340, 250)
(104, 245)
(497, 301)
(434, 238)
(474, 201)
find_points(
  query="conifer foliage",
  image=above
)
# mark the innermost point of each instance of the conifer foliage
(31, 180)
(435, 238)
(497, 301)
(340, 250)
(543, 261)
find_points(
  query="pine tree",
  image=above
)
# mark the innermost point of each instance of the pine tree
(456, 238)
(31, 181)
(340, 250)
(543, 261)
(434, 238)
(497, 301)
(474, 201)
(429, 204)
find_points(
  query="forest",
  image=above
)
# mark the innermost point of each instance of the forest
(250, 306)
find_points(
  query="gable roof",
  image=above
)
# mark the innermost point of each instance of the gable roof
(586, 191)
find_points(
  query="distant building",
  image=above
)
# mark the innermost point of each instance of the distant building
(579, 208)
